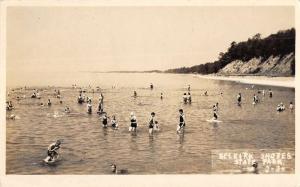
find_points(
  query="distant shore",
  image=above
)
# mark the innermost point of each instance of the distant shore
(288, 82)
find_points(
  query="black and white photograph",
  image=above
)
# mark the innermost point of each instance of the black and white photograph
(150, 90)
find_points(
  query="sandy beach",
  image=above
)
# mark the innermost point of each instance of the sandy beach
(288, 82)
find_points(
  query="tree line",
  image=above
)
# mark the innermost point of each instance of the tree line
(279, 44)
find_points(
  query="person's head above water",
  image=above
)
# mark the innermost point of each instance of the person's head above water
(58, 142)
(255, 164)
(113, 167)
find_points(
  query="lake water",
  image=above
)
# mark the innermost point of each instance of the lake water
(88, 148)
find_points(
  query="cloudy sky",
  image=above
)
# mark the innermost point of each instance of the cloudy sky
(130, 38)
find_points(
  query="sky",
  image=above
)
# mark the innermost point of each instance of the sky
(51, 39)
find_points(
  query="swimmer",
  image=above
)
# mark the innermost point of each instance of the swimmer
(161, 96)
(134, 94)
(101, 98)
(189, 88)
(215, 117)
(156, 127)
(270, 93)
(89, 108)
(114, 123)
(216, 107)
(205, 93)
(263, 93)
(239, 99)
(189, 97)
(80, 99)
(38, 95)
(121, 171)
(291, 106)
(33, 95)
(151, 123)
(60, 101)
(52, 150)
(9, 105)
(133, 122)
(181, 124)
(184, 98)
(49, 102)
(13, 117)
(67, 109)
(100, 108)
(280, 107)
(215, 110)
(255, 99)
(104, 120)
(255, 167)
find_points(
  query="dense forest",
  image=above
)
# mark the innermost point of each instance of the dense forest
(279, 44)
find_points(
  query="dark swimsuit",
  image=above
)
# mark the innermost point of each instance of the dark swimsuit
(104, 121)
(133, 123)
(182, 123)
(52, 153)
(151, 124)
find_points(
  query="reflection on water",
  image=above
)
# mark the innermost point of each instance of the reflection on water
(88, 148)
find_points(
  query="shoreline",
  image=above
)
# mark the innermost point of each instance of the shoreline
(287, 82)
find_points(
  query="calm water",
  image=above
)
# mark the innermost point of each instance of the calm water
(87, 148)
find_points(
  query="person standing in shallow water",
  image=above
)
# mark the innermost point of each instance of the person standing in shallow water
(185, 98)
(151, 86)
(152, 123)
(49, 102)
(189, 97)
(291, 106)
(133, 122)
(181, 124)
(239, 99)
(215, 110)
(270, 93)
(89, 108)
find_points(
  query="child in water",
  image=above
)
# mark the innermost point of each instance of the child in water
(133, 122)
(215, 110)
(49, 102)
(184, 98)
(270, 93)
(181, 124)
(189, 97)
(114, 122)
(104, 120)
(89, 108)
(291, 106)
(239, 99)
(67, 109)
(152, 123)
